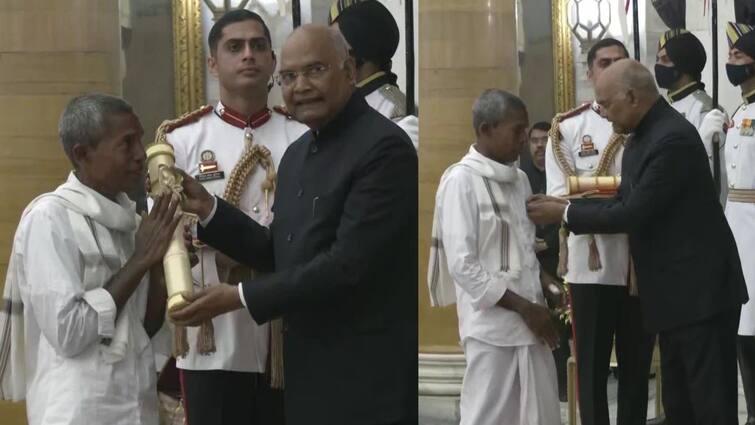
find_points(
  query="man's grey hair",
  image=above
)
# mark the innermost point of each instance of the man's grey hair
(85, 119)
(494, 107)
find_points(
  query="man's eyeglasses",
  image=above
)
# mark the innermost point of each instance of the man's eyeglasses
(311, 72)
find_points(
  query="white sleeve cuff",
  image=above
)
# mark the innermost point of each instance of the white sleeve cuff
(204, 222)
(566, 213)
(241, 294)
(102, 303)
(495, 289)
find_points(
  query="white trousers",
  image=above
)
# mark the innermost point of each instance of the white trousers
(509, 385)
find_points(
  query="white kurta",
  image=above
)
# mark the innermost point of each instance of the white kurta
(740, 160)
(241, 344)
(510, 376)
(70, 376)
(613, 249)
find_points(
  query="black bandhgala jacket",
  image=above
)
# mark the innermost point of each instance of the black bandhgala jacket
(342, 252)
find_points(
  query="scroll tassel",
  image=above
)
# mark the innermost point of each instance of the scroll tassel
(633, 289)
(206, 338)
(563, 251)
(276, 354)
(593, 259)
(180, 341)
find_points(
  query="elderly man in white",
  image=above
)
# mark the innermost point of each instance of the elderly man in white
(85, 288)
(483, 259)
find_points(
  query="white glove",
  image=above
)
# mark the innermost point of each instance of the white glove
(713, 123)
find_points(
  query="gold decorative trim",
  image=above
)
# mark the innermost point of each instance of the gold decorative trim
(563, 62)
(188, 55)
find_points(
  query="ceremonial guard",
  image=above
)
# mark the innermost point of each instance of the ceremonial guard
(235, 156)
(740, 206)
(680, 61)
(373, 35)
(584, 144)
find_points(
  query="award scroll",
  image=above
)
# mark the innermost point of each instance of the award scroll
(178, 278)
(593, 187)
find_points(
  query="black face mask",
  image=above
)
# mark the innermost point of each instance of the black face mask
(738, 74)
(666, 76)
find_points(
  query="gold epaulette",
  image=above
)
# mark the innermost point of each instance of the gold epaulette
(556, 137)
(283, 111)
(555, 133)
(169, 125)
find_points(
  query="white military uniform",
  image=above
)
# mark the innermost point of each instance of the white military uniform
(489, 249)
(740, 160)
(577, 127)
(694, 103)
(390, 101)
(220, 136)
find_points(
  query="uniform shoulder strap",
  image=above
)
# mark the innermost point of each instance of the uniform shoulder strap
(169, 125)
(556, 137)
(396, 97)
(702, 97)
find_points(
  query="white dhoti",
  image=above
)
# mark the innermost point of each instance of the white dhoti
(509, 385)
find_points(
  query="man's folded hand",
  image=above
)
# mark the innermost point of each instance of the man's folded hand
(540, 321)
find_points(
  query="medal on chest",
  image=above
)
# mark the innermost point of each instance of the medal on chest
(587, 148)
(208, 167)
(745, 129)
